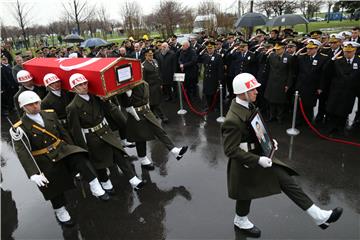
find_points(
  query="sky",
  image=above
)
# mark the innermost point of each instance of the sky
(46, 11)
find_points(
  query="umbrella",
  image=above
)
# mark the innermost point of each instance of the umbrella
(73, 38)
(250, 20)
(94, 42)
(287, 20)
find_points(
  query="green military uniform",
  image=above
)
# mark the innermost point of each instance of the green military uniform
(84, 114)
(148, 126)
(49, 162)
(58, 103)
(38, 90)
(246, 178)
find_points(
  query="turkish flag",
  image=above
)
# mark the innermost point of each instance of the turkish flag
(106, 76)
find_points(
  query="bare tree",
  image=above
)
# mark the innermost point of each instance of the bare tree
(21, 15)
(131, 15)
(79, 11)
(277, 8)
(187, 22)
(170, 13)
(208, 7)
(309, 7)
(104, 21)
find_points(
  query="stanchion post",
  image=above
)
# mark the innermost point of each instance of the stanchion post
(293, 131)
(180, 77)
(221, 119)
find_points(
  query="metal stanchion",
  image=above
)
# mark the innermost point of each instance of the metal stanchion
(182, 111)
(221, 119)
(293, 131)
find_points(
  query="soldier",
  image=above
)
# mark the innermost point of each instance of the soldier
(310, 73)
(90, 130)
(279, 65)
(252, 175)
(26, 80)
(56, 98)
(213, 72)
(152, 76)
(291, 47)
(53, 159)
(142, 125)
(344, 72)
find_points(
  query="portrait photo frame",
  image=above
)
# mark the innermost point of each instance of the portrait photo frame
(262, 134)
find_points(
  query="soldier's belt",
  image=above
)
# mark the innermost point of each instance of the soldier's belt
(96, 128)
(47, 149)
(141, 108)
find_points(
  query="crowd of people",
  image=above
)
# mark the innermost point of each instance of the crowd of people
(321, 67)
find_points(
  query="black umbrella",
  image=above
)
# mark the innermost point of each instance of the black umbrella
(94, 42)
(250, 20)
(287, 20)
(73, 38)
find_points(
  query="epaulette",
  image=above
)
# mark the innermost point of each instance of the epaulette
(339, 57)
(49, 110)
(17, 124)
(324, 54)
(303, 53)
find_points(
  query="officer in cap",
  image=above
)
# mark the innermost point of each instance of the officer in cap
(310, 73)
(25, 79)
(250, 173)
(344, 72)
(90, 130)
(213, 71)
(48, 156)
(291, 47)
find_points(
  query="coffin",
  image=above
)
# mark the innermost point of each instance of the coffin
(106, 76)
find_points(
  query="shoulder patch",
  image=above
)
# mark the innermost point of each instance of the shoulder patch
(17, 124)
(339, 57)
(49, 110)
(323, 54)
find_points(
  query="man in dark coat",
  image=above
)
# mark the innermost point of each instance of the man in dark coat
(188, 65)
(310, 73)
(90, 130)
(279, 65)
(344, 72)
(213, 72)
(27, 83)
(53, 159)
(152, 76)
(9, 87)
(252, 175)
(142, 125)
(167, 64)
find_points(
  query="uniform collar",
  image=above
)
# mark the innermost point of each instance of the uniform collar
(86, 97)
(57, 93)
(242, 102)
(36, 118)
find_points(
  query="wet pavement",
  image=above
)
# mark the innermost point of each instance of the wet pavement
(187, 199)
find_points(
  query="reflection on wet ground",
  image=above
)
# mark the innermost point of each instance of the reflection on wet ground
(187, 199)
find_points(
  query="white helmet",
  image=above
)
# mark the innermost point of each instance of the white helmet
(28, 97)
(50, 78)
(244, 82)
(76, 79)
(23, 76)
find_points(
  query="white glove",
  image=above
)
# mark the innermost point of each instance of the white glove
(39, 179)
(265, 162)
(275, 144)
(131, 110)
(129, 92)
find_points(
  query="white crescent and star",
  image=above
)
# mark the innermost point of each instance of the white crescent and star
(79, 65)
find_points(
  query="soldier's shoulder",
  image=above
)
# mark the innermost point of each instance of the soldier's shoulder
(323, 54)
(49, 110)
(17, 124)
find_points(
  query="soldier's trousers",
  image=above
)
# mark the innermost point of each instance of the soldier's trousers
(160, 134)
(287, 185)
(76, 163)
(123, 163)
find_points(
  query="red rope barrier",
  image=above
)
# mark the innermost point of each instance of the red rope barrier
(321, 135)
(191, 106)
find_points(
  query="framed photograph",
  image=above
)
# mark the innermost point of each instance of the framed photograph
(262, 134)
(123, 73)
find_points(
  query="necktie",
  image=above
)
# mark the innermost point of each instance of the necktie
(348, 61)
(137, 55)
